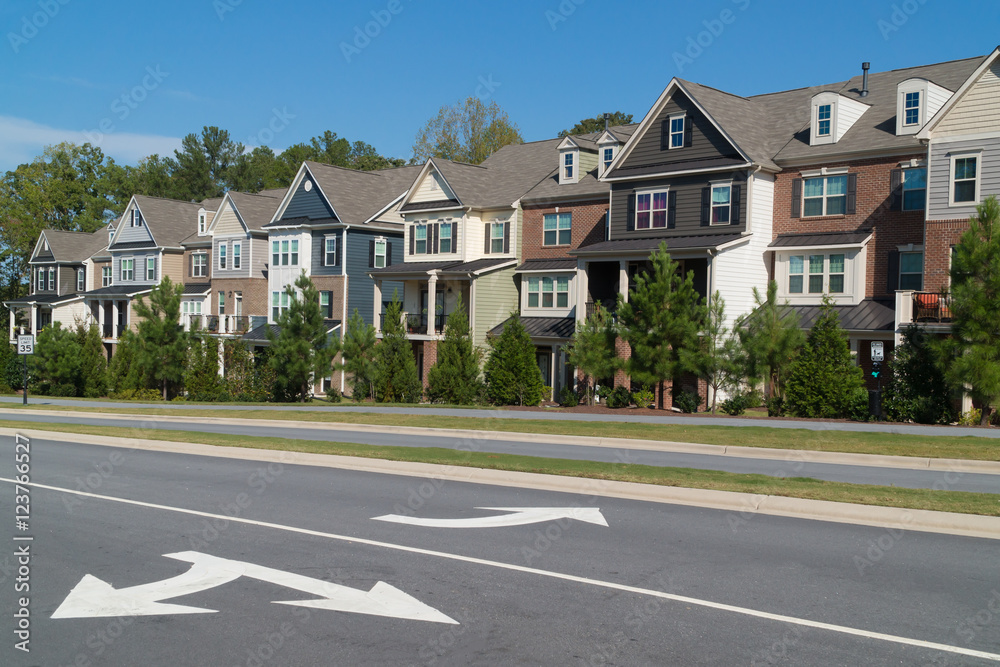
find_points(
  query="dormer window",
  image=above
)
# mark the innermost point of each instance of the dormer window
(568, 166)
(917, 100)
(911, 109)
(824, 114)
(201, 224)
(833, 115)
(607, 149)
(607, 156)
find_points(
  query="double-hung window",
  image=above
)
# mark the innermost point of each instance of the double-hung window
(568, 166)
(128, 269)
(380, 253)
(445, 231)
(330, 251)
(150, 268)
(819, 274)
(677, 131)
(295, 252)
(105, 276)
(326, 303)
(965, 179)
(52, 278)
(911, 270)
(191, 307)
(496, 236)
(199, 265)
(222, 302)
(556, 229)
(275, 253)
(237, 254)
(201, 223)
(609, 156)
(720, 204)
(825, 195)
(223, 247)
(136, 218)
(824, 115)
(911, 109)
(279, 303)
(420, 241)
(914, 189)
(651, 210)
(80, 280)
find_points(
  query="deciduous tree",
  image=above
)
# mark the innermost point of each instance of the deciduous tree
(596, 124)
(469, 131)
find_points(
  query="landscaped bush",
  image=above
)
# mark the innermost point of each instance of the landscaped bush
(137, 395)
(333, 394)
(618, 397)
(546, 393)
(643, 398)
(775, 406)
(736, 404)
(858, 410)
(971, 418)
(687, 401)
(568, 398)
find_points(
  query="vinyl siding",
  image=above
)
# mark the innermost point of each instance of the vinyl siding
(588, 162)
(458, 254)
(71, 314)
(319, 253)
(260, 257)
(706, 141)
(688, 219)
(360, 286)
(173, 266)
(66, 277)
(130, 234)
(432, 188)
(228, 224)
(229, 271)
(495, 299)
(939, 176)
(307, 204)
(139, 268)
(978, 110)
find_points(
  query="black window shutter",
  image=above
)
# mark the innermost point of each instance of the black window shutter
(630, 221)
(413, 240)
(388, 253)
(893, 269)
(371, 253)
(672, 209)
(734, 204)
(191, 265)
(338, 249)
(706, 205)
(688, 132)
(852, 193)
(896, 190)
(797, 198)
(486, 249)
(665, 134)
(506, 237)
(434, 230)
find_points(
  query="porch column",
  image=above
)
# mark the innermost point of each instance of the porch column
(582, 290)
(34, 320)
(11, 318)
(100, 316)
(431, 303)
(377, 317)
(222, 360)
(623, 279)
(114, 319)
(554, 365)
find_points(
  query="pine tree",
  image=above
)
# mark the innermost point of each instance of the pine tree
(359, 356)
(661, 321)
(916, 388)
(302, 350)
(973, 349)
(163, 348)
(56, 361)
(512, 373)
(454, 378)
(592, 349)
(202, 380)
(770, 338)
(93, 381)
(125, 373)
(824, 377)
(396, 378)
(719, 348)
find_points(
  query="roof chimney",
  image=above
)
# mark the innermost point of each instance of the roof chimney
(864, 81)
(607, 117)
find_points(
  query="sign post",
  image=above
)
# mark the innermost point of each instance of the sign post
(878, 356)
(25, 346)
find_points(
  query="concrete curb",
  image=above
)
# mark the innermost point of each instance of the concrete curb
(764, 453)
(743, 505)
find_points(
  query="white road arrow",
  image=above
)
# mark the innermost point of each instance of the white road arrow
(95, 598)
(519, 517)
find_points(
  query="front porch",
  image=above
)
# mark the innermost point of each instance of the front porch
(427, 302)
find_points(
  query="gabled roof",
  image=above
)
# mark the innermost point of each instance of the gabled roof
(588, 184)
(76, 247)
(169, 221)
(987, 62)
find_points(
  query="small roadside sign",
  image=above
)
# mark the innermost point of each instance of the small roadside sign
(26, 344)
(878, 353)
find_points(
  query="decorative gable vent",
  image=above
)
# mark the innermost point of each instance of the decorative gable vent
(917, 100)
(832, 116)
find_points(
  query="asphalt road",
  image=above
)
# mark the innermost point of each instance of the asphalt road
(627, 415)
(854, 474)
(659, 585)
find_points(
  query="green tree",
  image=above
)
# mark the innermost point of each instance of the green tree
(93, 382)
(56, 361)
(396, 377)
(719, 348)
(823, 378)
(469, 131)
(592, 349)
(200, 169)
(126, 373)
(201, 379)
(915, 385)
(596, 124)
(512, 373)
(454, 378)
(770, 338)
(359, 356)
(661, 321)
(973, 350)
(302, 351)
(247, 378)
(163, 348)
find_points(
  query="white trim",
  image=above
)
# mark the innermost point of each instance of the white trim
(223, 253)
(146, 268)
(121, 261)
(651, 191)
(825, 171)
(670, 129)
(326, 239)
(711, 203)
(232, 260)
(420, 178)
(910, 247)
(672, 174)
(965, 137)
(959, 94)
(293, 188)
(976, 153)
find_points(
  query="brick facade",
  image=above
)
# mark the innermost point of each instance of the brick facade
(872, 214)
(334, 285)
(587, 227)
(254, 290)
(430, 358)
(940, 236)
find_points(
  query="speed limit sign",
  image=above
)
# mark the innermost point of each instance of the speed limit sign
(26, 344)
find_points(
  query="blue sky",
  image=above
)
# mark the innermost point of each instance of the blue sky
(134, 77)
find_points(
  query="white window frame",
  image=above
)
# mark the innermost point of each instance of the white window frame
(279, 304)
(547, 287)
(131, 269)
(276, 253)
(81, 280)
(828, 120)
(495, 239)
(825, 197)
(294, 248)
(450, 238)
(421, 226)
(902, 204)
(907, 107)
(327, 296)
(651, 210)
(559, 229)
(136, 217)
(223, 259)
(381, 250)
(199, 265)
(728, 206)
(52, 278)
(151, 260)
(919, 273)
(607, 157)
(568, 166)
(222, 302)
(676, 134)
(201, 224)
(953, 158)
(191, 307)
(237, 255)
(107, 275)
(329, 254)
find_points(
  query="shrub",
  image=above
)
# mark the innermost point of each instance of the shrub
(736, 404)
(971, 418)
(915, 386)
(619, 397)
(333, 394)
(568, 398)
(137, 395)
(858, 410)
(687, 401)
(454, 377)
(547, 393)
(643, 398)
(775, 406)
(511, 370)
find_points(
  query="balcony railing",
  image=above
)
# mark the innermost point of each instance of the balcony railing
(417, 323)
(609, 305)
(933, 307)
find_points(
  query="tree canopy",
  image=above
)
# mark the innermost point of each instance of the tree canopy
(596, 124)
(469, 131)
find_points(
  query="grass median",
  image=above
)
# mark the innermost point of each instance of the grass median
(796, 487)
(831, 440)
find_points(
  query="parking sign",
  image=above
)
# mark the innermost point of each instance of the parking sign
(877, 351)
(26, 344)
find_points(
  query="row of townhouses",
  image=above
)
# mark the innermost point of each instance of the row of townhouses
(856, 190)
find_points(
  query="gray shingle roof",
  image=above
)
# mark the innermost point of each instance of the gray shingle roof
(558, 264)
(170, 221)
(256, 210)
(869, 315)
(692, 242)
(132, 245)
(42, 299)
(445, 267)
(359, 195)
(197, 288)
(818, 239)
(543, 327)
(75, 246)
(119, 290)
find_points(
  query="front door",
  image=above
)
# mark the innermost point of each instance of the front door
(545, 366)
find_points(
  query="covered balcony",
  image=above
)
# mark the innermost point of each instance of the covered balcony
(931, 310)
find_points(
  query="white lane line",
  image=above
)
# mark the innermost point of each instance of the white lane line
(842, 629)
